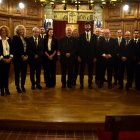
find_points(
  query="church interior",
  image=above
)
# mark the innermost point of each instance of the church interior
(70, 113)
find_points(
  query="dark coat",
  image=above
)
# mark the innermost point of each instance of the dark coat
(87, 50)
(33, 50)
(67, 45)
(18, 48)
(54, 46)
(10, 45)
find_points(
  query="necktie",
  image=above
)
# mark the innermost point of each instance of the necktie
(107, 40)
(42, 36)
(87, 37)
(119, 41)
(36, 43)
(135, 41)
(126, 42)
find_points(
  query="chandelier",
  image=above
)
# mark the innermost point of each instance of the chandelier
(78, 2)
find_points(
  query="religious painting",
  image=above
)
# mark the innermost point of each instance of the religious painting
(72, 17)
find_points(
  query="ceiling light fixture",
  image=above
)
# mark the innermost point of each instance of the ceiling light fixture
(126, 7)
(21, 5)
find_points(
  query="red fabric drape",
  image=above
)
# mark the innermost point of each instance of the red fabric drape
(59, 28)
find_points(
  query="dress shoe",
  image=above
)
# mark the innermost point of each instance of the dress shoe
(109, 86)
(74, 83)
(7, 91)
(69, 86)
(23, 89)
(115, 83)
(90, 87)
(2, 92)
(121, 86)
(19, 90)
(63, 86)
(81, 87)
(38, 86)
(100, 85)
(33, 87)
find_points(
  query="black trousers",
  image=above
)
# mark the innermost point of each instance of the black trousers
(103, 66)
(35, 71)
(137, 76)
(116, 69)
(121, 72)
(20, 68)
(50, 72)
(4, 75)
(130, 67)
(67, 66)
(89, 64)
(76, 69)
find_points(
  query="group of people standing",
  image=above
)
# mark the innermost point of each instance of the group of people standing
(37, 50)
(99, 50)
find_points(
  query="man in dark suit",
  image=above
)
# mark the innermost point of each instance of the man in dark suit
(106, 51)
(86, 52)
(122, 55)
(42, 32)
(35, 57)
(137, 59)
(99, 37)
(120, 41)
(133, 44)
(67, 50)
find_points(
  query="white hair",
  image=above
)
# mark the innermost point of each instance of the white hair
(35, 28)
(19, 27)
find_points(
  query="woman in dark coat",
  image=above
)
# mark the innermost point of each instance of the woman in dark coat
(20, 57)
(5, 59)
(50, 48)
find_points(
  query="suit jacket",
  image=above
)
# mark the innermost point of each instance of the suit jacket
(67, 45)
(87, 49)
(106, 48)
(18, 48)
(137, 52)
(35, 50)
(120, 47)
(10, 45)
(132, 50)
(54, 46)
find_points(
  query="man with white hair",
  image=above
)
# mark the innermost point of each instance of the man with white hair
(106, 51)
(123, 59)
(35, 57)
(67, 50)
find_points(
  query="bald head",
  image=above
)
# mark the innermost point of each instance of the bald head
(127, 35)
(68, 32)
(97, 31)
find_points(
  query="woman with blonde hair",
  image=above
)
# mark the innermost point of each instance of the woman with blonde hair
(20, 57)
(5, 59)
